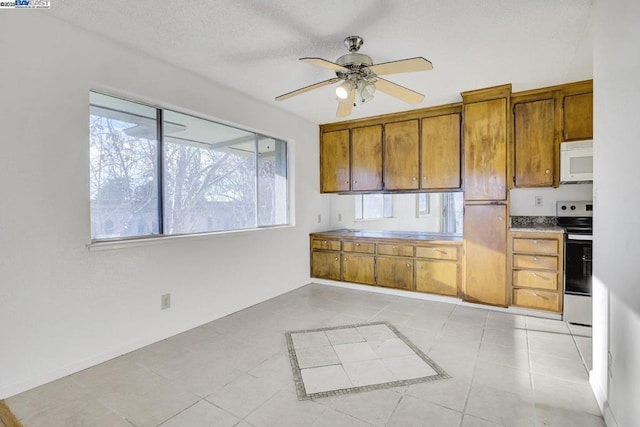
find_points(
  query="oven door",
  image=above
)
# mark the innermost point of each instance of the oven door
(578, 264)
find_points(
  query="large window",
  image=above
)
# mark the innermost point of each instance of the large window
(188, 175)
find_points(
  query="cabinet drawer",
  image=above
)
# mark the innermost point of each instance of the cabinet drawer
(398, 250)
(326, 244)
(437, 252)
(535, 279)
(537, 246)
(535, 261)
(360, 247)
(544, 300)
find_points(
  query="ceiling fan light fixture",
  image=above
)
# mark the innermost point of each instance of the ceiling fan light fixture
(342, 91)
(366, 90)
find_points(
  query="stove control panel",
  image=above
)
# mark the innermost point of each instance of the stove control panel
(575, 208)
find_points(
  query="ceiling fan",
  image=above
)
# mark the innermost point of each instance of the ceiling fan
(361, 78)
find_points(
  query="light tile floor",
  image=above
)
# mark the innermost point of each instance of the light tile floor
(506, 370)
(356, 358)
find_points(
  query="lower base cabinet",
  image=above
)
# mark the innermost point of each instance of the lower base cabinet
(325, 265)
(438, 277)
(358, 269)
(395, 272)
(432, 266)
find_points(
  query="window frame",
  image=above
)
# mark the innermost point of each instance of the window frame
(160, 184)
(381, 218)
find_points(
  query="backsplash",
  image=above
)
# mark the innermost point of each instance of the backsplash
(527, 221)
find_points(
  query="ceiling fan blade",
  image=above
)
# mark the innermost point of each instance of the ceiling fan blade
(402, 66)
(325, 64)
(345, 107)
(307, 88)
(400, 92)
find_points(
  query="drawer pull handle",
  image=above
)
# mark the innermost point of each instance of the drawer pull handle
(535, 242)
(547, 171)
(357, 244)
(395, 247)
(535, 258)
(408, 265)
(541, 276)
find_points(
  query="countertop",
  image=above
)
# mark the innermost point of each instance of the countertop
(537, 228)
(398, 235)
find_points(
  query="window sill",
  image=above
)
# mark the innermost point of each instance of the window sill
(108, 245)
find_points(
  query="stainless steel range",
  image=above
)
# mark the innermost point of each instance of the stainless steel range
(577, 220)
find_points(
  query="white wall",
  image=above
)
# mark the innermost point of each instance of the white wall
(616, 325)
(63, 307)
(522, 200)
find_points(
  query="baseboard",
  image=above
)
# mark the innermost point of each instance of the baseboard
(601, 399)
(438, 298)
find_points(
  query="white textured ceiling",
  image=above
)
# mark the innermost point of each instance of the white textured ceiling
(254, 45)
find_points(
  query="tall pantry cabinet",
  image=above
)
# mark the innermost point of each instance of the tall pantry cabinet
(486, 134)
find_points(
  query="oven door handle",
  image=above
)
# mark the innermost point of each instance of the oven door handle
(588, 237)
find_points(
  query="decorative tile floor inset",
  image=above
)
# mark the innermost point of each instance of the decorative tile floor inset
(354, 358)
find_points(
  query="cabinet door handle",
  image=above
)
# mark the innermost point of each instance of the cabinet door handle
(500, 218)
(424, 177)
(408, 265)
(336, 258)
(547, 171)
(355, 182)
(415, 178)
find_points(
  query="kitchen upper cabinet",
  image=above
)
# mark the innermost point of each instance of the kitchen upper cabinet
(534, 143)
(578, 116)
(366, 158)
(440, 147)
(334, 162)
(401, 155)
(485, 150)
(485, 235)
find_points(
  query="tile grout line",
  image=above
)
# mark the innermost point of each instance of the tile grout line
(533, 390)
(475, 365)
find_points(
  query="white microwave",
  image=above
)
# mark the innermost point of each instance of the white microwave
(576, 161)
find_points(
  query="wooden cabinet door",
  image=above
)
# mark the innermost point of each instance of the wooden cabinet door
(358, 269)
(325, 265)
(401, 155)
(534, 143)
(485, 142)
(440, 144)
(366, 158)
(578, 117)
(394, 272)
(485, 235)
(334, 162)
(440, 277)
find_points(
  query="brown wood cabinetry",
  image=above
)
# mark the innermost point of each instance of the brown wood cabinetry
(358, 268)
(543, 118)
(438, 270)
(366, 158)
(536, 270)
(440, 152)
(485, 150)
(578, 116)
(325, 265)
(394, 272)
(409, 151)
(407, 264)
(334, 162)
(535, 146)
(486, 249)
(401, 155)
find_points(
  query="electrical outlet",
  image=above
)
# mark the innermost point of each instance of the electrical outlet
(538, 201)
(319, 218)
(165, 301)
(339, 217)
